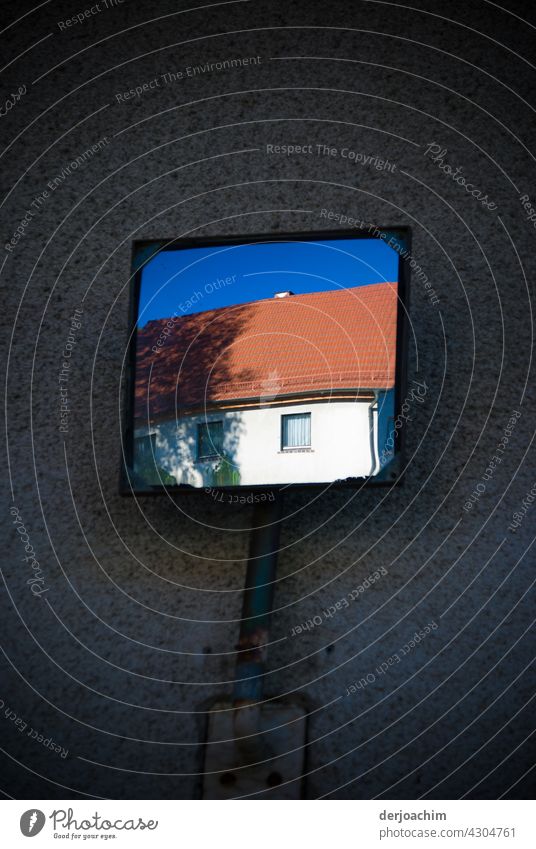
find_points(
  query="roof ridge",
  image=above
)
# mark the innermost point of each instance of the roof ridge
(272, 299)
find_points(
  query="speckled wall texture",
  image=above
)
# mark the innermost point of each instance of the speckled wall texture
(118, 661)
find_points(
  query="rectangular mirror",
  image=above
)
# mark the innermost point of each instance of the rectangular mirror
(266, 361)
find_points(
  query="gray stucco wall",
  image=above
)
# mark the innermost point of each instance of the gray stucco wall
(132, 641)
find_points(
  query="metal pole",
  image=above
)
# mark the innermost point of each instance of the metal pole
(255, 623)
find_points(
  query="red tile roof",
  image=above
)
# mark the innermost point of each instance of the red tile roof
(342, 339)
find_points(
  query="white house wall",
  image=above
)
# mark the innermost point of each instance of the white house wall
(343, 444)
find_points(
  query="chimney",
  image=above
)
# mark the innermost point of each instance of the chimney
(283, 294)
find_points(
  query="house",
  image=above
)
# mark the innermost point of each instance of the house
(289, 389)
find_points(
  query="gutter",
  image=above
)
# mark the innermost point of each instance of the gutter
(373, 433)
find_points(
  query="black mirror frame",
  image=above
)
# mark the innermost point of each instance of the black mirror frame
(145, 250)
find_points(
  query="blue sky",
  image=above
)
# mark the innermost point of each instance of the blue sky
(185, 281)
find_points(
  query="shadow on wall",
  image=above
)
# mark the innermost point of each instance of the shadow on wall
(183, 363)
(177, 450)
(226, 471)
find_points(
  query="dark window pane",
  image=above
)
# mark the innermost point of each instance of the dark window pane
(209, 439)
(144, 447)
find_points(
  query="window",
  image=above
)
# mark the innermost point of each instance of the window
(144, 447)
(209, 440)
(296, 431)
